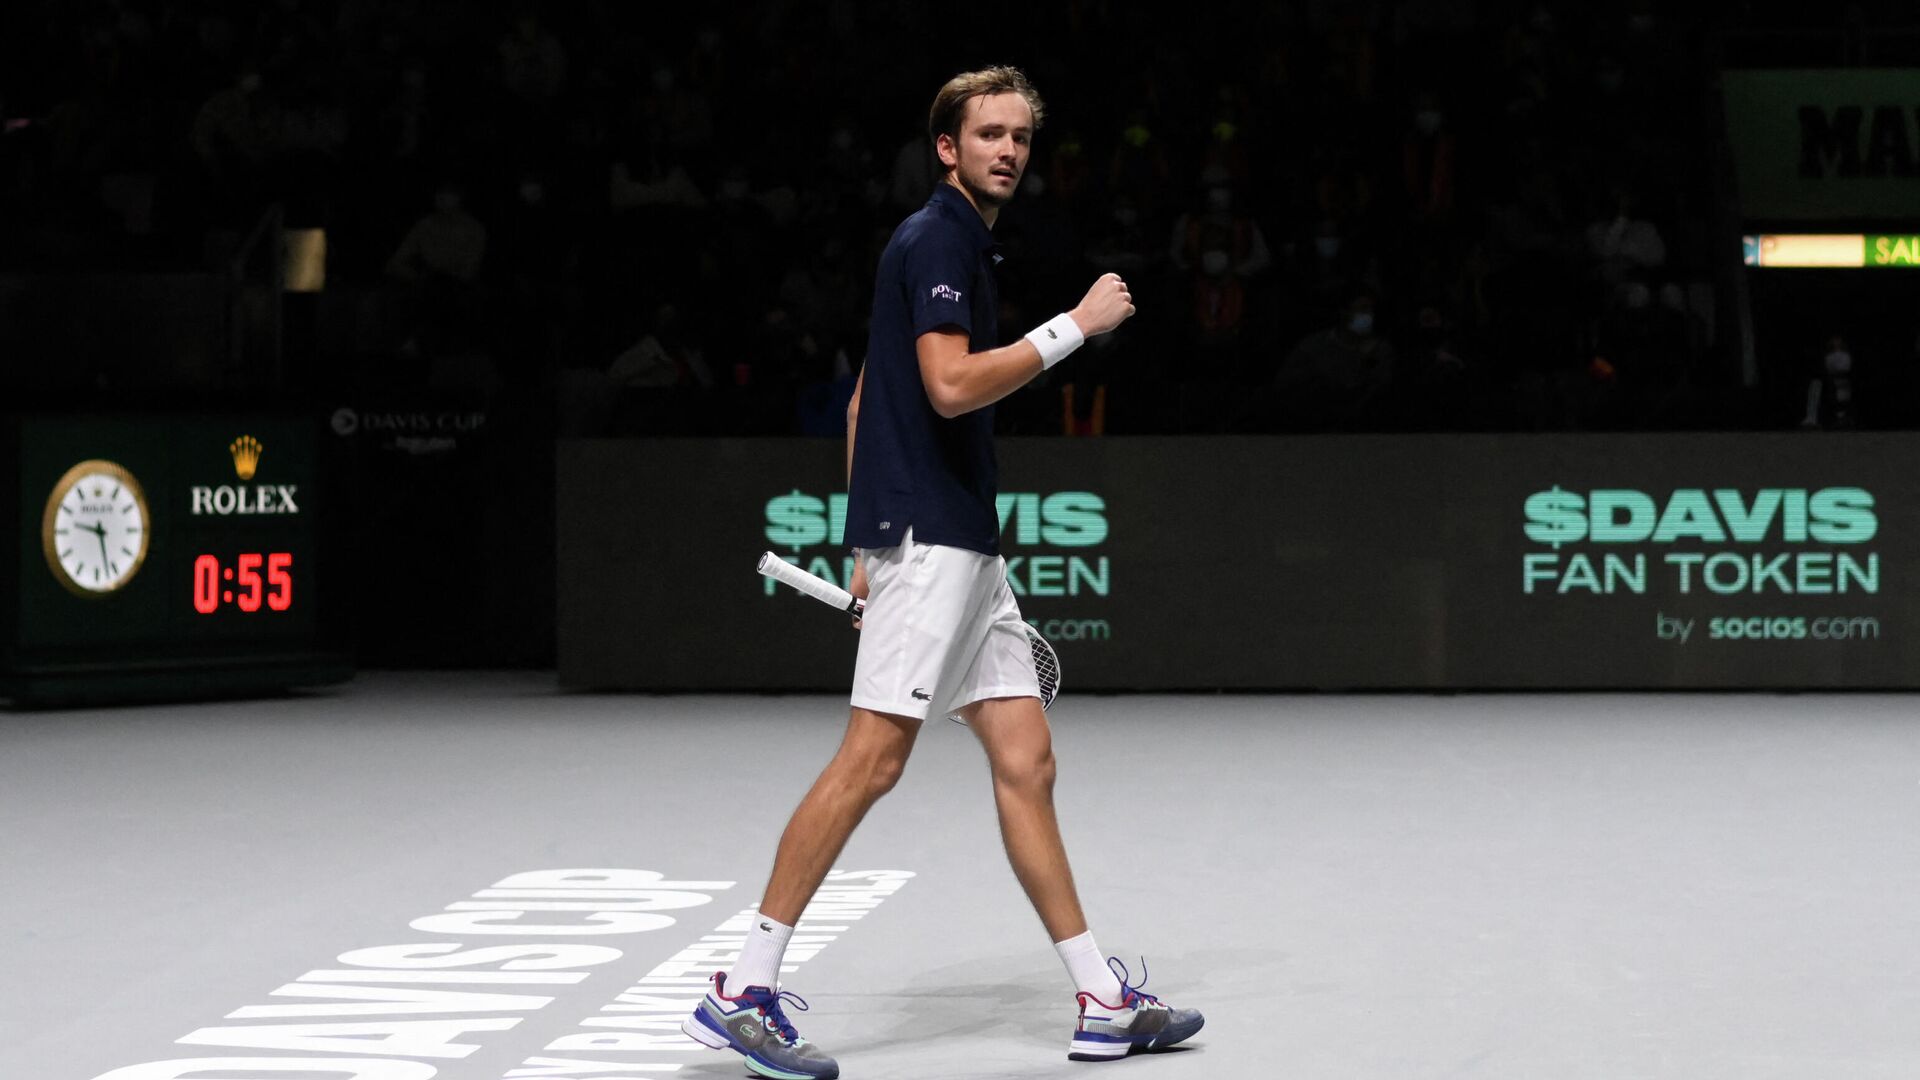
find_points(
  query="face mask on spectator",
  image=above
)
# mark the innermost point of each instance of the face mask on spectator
(1361, 323)
(1214, 262)
(1327, 246)
(1427, 121)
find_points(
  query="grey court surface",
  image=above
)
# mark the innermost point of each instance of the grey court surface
(1350, 887)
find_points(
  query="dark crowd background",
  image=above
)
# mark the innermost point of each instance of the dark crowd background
(1437, 215)
(610, 219)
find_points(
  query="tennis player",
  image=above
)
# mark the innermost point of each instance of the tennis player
(942, 633)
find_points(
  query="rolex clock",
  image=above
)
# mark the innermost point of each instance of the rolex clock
(162, 556)
(94, 530)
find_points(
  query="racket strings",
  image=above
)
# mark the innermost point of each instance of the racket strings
(1046, 670)
(1046, 667)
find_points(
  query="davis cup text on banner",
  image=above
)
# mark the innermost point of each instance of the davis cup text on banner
(1780, 516)
(1066, 519)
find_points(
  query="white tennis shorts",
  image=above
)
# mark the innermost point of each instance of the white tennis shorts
(941, 631)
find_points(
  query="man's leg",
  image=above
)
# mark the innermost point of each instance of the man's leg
(743, 1010)
(869, 762)
(1114, 1019)
(1019, 749)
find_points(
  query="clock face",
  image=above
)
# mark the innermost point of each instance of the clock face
(95, 528)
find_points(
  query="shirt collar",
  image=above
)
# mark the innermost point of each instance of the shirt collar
(952, 203)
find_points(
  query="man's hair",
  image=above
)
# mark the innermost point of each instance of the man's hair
(950, 104)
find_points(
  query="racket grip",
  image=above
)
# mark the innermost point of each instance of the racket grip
(820, 589)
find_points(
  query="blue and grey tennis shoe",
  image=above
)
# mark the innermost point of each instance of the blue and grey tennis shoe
(1141, 1021)
(754, 1024)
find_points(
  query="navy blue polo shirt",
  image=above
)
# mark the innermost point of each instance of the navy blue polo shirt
(912, 467)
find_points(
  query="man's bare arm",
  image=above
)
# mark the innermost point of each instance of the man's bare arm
(959, 382)
(853, 419)
(857, 583)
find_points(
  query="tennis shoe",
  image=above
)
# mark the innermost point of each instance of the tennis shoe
(1140, 1021)
(754, 1024)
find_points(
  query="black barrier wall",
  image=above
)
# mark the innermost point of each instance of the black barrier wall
(1636, 561)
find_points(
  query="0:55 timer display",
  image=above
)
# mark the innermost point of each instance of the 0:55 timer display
(241, 584)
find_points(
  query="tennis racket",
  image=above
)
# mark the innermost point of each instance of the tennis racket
(1045, 664)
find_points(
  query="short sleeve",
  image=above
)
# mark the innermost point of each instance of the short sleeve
(939, 275)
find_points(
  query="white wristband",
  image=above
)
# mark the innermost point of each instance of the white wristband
(1056, 339)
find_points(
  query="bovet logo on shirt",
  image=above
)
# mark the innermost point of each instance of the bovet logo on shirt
(945, 292)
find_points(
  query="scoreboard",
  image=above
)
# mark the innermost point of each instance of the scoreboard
(154, 557)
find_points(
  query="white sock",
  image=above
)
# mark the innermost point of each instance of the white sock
(759, 963)
(1088, 968)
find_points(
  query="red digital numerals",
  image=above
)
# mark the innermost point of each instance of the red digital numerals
(241, 584)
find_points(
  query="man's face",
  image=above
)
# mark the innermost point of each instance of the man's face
(996, 135)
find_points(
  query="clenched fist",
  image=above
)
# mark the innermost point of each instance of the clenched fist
(1108, 304)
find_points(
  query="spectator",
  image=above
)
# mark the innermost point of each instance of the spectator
(1334, 376)
(1644, 346)
(683, 113)
(533, 63)
(653, 183)
(916, 168)
(1428, 163)
(1223, 224)
(1830, 402)
(433, 300)
(1069, 175)
(1332, 266)
(663, 357)
(1625, 249)
(1124, 247)
(237, 130)
(1139, 169)
(1437, 387)
(405, 125)
(1219, 310)
(1342, 191)
(1223, 158)
(447, 243)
